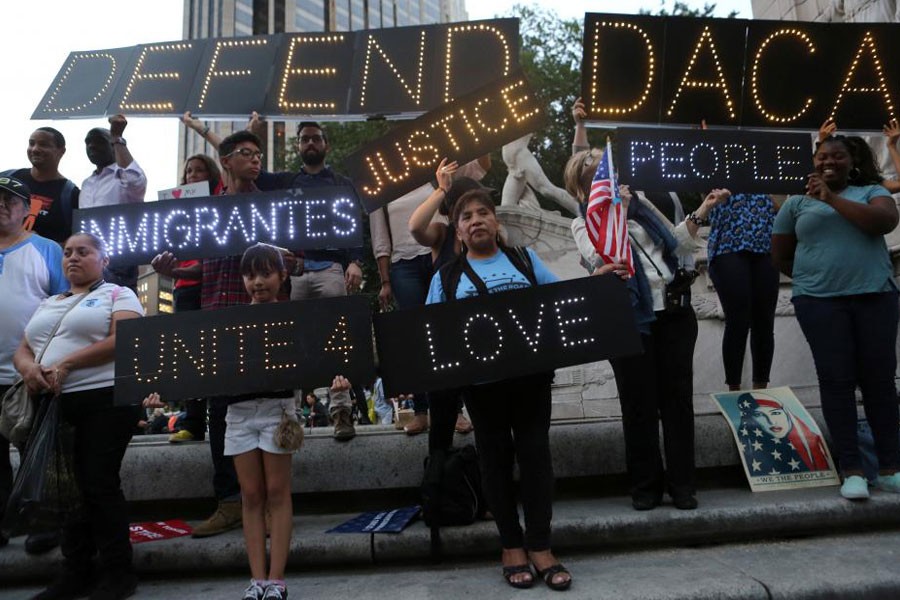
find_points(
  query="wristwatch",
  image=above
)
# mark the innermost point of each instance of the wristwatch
(693, 218)
(119, 140)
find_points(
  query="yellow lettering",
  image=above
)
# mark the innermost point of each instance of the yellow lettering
(472, 29)
(373, 46)
(137, 76)
(593, 103)
(291, 70)
(867, 44)
(705, 41)
(92, 56)
(754, 75)
(214, 73)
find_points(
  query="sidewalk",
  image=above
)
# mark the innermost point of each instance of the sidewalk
(596, 525)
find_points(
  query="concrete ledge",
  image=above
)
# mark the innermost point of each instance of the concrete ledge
(597, 524)
(381, 458)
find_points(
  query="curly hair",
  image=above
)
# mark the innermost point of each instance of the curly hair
(862, 157)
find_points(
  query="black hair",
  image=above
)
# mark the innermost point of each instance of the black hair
(458, 188)
(261, 258)
(303, 124)
(58, 137)
(481, 196)
(215, 175)
(862, 157)
(230, 143)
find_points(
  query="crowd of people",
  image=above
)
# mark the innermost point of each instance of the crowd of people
(440, 243)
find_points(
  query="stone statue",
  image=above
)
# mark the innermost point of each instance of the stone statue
(861, 11)
(524, 174)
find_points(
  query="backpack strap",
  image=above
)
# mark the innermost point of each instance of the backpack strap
(521, 260)
(452, 272)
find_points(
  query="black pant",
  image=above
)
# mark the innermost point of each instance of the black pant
(187, 298)
(444, 406)
(225, 482)
(747, 285)
(853, 339)
(102, 433)
(6, 478)
(194, 420)
(658, 385)
(512, 424)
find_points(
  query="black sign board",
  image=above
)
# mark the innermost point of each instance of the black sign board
(508, 334)
(696, 160)
(244, 349)
(298, 219)
(773, 74)
(462, 130)
(402, 70)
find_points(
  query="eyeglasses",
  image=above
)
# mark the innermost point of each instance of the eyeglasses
(247, 153)
(315, 139)
(592, 156)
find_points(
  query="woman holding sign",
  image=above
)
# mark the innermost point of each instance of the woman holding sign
(512, 416)
(68, 351)
(656, 385)
(831, 242)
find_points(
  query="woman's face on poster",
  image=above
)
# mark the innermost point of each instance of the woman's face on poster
(773, 421)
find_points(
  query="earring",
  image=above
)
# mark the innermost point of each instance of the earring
(854, 173)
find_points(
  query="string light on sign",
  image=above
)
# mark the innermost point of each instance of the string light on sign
(706, 39)
(212, 72)
(68, 71)
(283, 101)
(532, 341)
(138, 76)
(340, 340)
(868, 44)
(373, 45)
(434, 362)
(475, 27)
(492, 321)
(268, 343)
(595, 71)
(754, 75)
(562, 323)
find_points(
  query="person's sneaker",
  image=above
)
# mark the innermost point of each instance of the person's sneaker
(888, 483)
(182, 436)
(115, 586)
(343, 424)
(855, 488)
(254, 591)
(275, 591)
(685, 501)
(71, 584)
(41, 543)
(227, 517)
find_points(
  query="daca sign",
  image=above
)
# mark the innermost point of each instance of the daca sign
(772, 74)
(370, 72)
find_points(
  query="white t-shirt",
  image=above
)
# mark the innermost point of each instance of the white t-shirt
(29, 272)
(85, 324)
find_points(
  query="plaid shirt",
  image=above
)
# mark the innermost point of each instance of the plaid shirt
(222, 284)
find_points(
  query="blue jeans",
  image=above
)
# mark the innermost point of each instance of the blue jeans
(853, 339)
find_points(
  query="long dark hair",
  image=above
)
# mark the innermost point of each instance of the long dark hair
(867, 171)
(215, 176)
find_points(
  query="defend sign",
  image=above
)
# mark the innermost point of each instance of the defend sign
(326, 217)
(773, 74)
(462, 130)
(489, 338)
(244, 349)
(370, 72)
(694, 160)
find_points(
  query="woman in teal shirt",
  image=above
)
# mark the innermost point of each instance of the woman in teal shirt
(831, 242)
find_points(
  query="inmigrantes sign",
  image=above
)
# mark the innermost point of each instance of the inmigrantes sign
(369, 72)
(298, 219)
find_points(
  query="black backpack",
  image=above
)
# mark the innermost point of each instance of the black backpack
(451, 272)
(451, 491)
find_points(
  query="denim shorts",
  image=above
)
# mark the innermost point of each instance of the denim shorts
(251, 424)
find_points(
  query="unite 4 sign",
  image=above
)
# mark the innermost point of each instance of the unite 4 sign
(773, 74)
(369, 72)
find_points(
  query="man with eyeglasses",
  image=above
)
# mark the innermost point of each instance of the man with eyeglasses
(118, 179)
(30, 271)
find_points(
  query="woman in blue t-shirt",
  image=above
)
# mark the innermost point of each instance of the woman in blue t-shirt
(512, 416)
(831, 242)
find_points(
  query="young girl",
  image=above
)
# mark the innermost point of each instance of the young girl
(263, 469)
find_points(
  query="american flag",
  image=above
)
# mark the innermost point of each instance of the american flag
(606, 216)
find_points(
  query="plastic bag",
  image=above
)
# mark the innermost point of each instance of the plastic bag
(45, 489)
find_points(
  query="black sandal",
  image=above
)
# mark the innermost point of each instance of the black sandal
(508, 573)
(548, 573)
